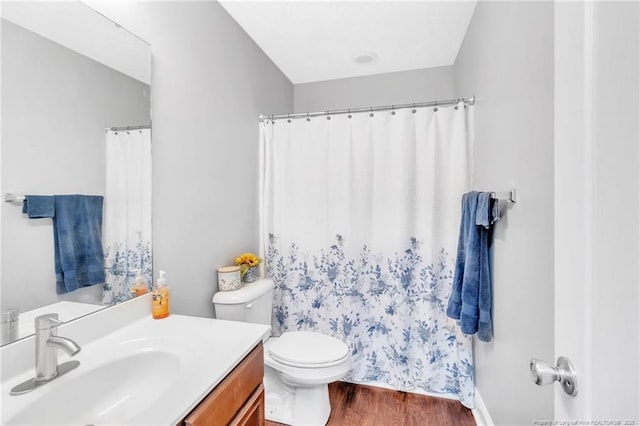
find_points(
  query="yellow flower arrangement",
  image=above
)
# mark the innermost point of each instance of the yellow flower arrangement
(246, 261)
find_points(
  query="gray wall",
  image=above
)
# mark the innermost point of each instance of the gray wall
(210, 82)
(421, 85)
(507, 60)
(56, 104)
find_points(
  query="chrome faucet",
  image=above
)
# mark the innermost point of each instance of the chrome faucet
(47, 343)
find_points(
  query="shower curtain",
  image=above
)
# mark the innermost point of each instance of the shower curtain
(359, 217)
(127, 205)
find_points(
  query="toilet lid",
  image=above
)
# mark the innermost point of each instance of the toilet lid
(308, 349)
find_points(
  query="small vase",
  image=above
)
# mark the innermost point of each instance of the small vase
(250, 275)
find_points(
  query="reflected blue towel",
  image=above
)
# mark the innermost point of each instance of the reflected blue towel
(77, 236)
(38, 206)
(470, 300)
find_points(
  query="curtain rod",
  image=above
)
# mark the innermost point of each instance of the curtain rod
(125, 128)
(468, 101)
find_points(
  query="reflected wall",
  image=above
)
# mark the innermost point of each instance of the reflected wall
(56, 104)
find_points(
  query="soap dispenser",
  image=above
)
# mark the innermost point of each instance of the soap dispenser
(139, 286)
(160, 303)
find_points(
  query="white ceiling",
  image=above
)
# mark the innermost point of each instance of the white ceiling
(79, 28)
(319, 40)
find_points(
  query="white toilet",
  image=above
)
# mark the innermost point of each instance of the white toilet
(298, 365)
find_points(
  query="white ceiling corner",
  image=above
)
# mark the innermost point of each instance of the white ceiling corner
(318, 40)
(79, 27)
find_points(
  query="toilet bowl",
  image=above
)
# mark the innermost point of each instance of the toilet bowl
(302, 364)
(299, 365)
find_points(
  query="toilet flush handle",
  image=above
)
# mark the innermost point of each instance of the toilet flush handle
(249, 305)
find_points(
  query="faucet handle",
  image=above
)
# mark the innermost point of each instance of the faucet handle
(10, 315)
(47, 321)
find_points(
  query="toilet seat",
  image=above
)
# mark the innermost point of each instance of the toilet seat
(307, 349)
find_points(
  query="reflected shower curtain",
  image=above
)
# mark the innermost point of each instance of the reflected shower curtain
(359, 219)
(127, 205)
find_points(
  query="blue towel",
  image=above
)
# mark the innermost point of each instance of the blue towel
(77, 236)
(470, 300)
(38, 206)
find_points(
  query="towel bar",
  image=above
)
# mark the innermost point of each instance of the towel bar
(509, 196)
(11, 198)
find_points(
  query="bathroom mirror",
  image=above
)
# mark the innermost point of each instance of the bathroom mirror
(68, 74)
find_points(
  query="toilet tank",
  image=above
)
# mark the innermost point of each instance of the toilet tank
(250, 303)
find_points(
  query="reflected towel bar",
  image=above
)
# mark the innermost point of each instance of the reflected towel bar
(11, 198)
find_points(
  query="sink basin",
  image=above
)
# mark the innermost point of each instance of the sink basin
(110, 393)
(133, 370)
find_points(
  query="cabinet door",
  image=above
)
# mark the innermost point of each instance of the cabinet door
(252, 414)
(231, 395)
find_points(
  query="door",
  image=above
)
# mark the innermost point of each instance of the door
(596, 201)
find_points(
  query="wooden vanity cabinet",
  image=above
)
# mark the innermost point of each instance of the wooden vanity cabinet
(237, 400)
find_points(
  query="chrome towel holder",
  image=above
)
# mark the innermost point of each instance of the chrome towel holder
(12, 198)
(508, 196)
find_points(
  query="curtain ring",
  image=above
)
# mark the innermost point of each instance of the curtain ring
(435, 109)
(328, 116)
(393, 111)
(288, 118)
(308, 118)
(349, 110)
(414, 108)
(371, 112)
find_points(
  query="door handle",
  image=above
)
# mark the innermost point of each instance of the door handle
(563, 372)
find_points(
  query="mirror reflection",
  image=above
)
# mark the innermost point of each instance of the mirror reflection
(75, 120)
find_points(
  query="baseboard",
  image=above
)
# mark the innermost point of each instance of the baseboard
(480, 413)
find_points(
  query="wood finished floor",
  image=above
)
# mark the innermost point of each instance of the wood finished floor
(371, 406)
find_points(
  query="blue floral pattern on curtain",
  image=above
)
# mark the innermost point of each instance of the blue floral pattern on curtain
(376, 305)
(122, 262)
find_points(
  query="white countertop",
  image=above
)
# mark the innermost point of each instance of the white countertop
(203, 351)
